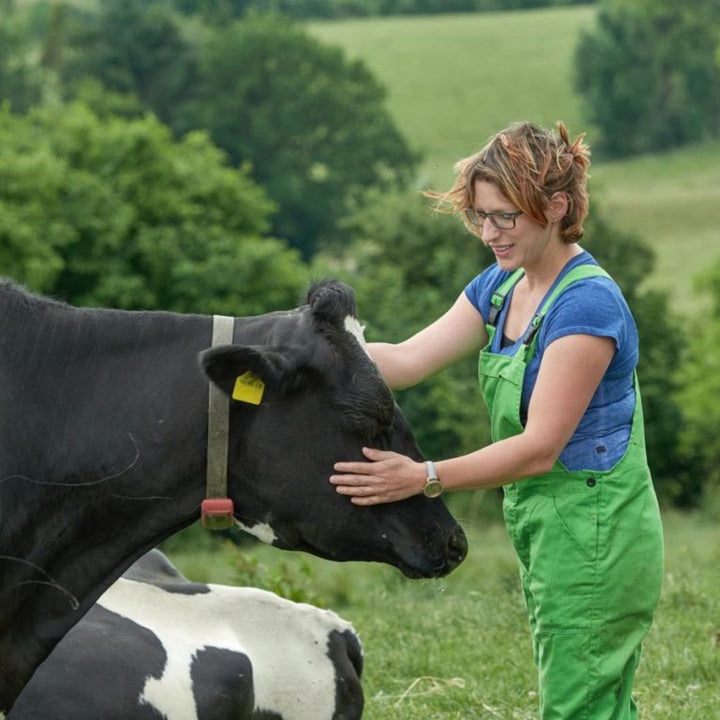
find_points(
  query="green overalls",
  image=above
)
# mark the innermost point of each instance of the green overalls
(590, 549)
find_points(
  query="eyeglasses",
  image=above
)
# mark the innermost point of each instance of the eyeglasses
(501, 220)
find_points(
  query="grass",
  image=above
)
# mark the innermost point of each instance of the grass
(458, 648)
(453, 80)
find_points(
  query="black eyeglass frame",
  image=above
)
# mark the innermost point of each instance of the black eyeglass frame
(478, 217)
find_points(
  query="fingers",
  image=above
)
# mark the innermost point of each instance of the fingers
(366, 494)
(376, 455)
(369, 500)
(364, 468)
(381, 479)
(353, 468)
(359, 492)
(352, 482)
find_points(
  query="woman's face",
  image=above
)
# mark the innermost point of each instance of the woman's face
(524, 245)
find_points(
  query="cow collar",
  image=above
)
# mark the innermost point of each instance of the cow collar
(217, 508)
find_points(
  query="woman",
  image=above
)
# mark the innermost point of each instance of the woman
(557, 372)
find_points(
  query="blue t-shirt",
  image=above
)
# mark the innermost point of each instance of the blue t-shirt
(591, 306)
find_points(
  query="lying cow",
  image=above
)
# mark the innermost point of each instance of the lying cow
(157, 646)
(104, 450)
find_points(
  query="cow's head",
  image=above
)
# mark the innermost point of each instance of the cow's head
(323, 399)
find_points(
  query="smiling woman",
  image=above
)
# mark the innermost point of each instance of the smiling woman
(558, 350)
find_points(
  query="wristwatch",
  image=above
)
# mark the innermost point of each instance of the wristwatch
(433, 487)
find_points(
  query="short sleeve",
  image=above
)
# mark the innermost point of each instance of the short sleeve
(596, 307)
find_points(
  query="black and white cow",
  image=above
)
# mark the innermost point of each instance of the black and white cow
(103, 451)
(156, 646)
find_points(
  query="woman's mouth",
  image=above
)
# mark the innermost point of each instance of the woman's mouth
(501, 251)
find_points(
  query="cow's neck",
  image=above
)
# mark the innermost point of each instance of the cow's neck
(101, 460)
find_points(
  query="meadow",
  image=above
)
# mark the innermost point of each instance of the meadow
(453, 80)
(458, 648)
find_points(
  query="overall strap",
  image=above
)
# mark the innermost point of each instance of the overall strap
(579, 272)
(498, 297)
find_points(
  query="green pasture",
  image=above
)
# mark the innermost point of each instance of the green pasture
(453, 80)
(458, 648)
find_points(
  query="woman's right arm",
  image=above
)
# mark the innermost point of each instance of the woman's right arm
(458, 333)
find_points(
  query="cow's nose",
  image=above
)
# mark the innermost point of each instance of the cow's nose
(457, 547)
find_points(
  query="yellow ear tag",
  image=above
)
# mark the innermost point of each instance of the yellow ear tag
(248, 388)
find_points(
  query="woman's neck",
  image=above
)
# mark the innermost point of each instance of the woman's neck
(541, 275)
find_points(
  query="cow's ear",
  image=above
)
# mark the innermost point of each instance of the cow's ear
(278, 367)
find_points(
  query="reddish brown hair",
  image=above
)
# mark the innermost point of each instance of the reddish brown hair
(528, 165)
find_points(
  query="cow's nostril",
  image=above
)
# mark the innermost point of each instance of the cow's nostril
(457, 547)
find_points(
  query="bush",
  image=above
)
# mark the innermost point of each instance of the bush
(113, 212)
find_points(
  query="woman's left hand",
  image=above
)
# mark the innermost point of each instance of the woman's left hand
(388, 477)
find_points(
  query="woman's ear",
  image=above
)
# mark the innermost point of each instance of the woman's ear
(557, 208)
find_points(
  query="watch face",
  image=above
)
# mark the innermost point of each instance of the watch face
(433, 488)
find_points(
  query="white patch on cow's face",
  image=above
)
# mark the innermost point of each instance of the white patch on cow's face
(261, 531)
(353, 326)
(285, 641)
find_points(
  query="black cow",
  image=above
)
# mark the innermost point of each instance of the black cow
(103, 440)
(157, 646)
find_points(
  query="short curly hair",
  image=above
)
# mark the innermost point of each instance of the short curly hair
(528, 164)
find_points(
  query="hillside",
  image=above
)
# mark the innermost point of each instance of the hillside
(453, 80)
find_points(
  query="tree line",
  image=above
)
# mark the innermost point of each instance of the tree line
(152, 162)
(326, 9)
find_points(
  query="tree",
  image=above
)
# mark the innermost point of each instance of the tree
(699, 389)
(312, 124)
(648, 75)
(21, 81)
(114, 213)
(132, 48)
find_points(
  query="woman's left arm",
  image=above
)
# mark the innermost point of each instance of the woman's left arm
(570, 372)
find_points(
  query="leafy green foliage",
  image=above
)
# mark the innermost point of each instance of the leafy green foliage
(131, 48)
(699, 389)
(649, 75)
(312, 124)
(73, 226)
(291, 580)
(21, 80)
(114, 212)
